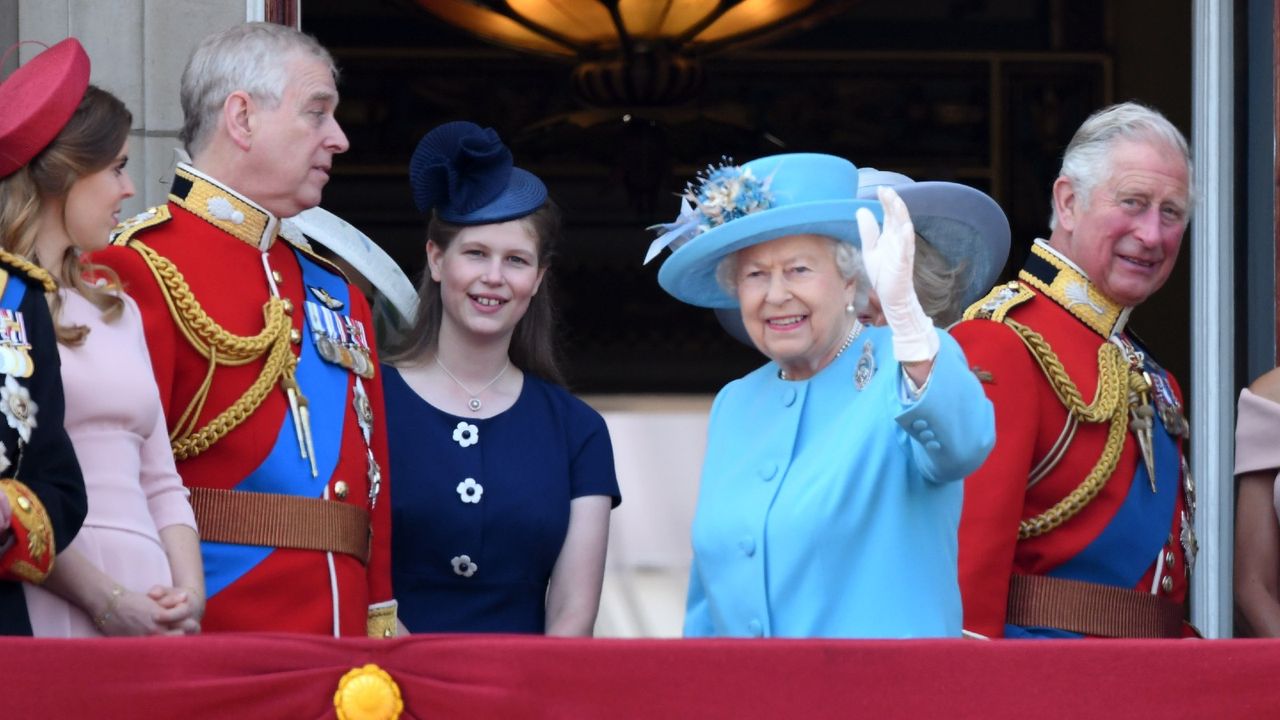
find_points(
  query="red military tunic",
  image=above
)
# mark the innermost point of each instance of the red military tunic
(213, 238)
(1040, 457)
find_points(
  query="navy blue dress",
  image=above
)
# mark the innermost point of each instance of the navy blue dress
(480, 507)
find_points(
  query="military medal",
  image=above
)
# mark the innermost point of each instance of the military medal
(375, 479)
(339, 339)
(1168, 407)
(323, 296)
(364, 412)
(15, 348)
(364, 418)
(866, 367)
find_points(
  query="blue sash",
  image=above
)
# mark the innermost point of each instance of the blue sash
(1126, 547)
(285, 471)
(13, 293)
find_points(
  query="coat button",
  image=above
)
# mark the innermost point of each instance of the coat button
(920, 424)
(275, 275)
(789, 397)
(295, 337)
(934, 446)
(768, 471)
(1169, 558)
(748, 545)
(755, 628)
(1166, 584)
(24, 504)
(927, 435)
(288, 306)
(340, 489)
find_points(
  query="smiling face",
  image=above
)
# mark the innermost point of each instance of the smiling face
(793, 301)
(93, 203)
(1127, 235)
(292, 145)
(487, 276)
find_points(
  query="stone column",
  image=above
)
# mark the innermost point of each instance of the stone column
(138, 49)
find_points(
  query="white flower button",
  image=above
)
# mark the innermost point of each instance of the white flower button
(470, 490)
(466, 434)
(18, 407)
(463, 566)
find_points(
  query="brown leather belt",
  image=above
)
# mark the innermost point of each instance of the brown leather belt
(1092, 609)
(282, 521)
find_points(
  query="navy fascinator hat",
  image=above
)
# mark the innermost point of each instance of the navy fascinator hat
(466, 175)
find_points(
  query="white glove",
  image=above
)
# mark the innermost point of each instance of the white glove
(890, 257)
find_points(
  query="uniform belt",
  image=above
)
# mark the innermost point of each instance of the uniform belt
(281, 521)
(1091, 609)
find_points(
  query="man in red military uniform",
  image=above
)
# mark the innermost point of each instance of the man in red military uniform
(262, 351)
(1079, 522)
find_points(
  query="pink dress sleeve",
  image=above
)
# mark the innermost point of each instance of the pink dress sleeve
(1258, 438)
(166, 497)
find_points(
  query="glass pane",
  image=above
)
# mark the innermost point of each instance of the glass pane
(651, 19)
(492, 26)
(584, 21)
(751, 15)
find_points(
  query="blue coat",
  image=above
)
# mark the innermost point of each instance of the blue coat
(830, 511)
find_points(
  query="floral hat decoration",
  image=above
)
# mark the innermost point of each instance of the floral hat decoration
(38, 99)
(728, 208)
(962, 223)
(465, 175)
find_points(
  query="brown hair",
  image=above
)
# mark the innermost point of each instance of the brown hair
(533, 341)
(88, 143)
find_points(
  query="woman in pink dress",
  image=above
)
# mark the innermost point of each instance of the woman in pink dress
(134, 568)
(1257, 571)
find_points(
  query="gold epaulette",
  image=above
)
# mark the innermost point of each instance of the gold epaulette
(33, 271)
(997, 304)
(122, 233)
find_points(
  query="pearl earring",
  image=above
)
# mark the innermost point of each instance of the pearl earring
(850, 309)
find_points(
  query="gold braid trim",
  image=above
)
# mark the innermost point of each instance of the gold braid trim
(33, 271)
(221, 348)
(1109, 404)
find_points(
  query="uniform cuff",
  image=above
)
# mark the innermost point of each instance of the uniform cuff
(29, 556)
(382, 619)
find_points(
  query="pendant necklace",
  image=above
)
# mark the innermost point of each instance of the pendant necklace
(854, 332)
(474, 403)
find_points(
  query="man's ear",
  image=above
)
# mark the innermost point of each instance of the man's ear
(237, 118)
(1066, 203)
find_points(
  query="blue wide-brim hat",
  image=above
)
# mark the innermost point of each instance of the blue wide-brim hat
(465, 174)
(961, 222)
(765, 199)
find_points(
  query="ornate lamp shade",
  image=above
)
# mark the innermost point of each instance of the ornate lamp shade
(631, 52)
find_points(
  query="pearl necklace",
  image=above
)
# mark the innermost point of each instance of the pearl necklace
(854, 332)
(474, 403)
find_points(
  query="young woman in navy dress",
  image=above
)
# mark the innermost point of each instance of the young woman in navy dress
(504, 481)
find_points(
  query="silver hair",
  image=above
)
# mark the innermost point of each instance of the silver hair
(1087, 161)
(939, 284)
(249, 57)
(848, 264)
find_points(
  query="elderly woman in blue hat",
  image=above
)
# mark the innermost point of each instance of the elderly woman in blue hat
(831, 491)
(504, 481)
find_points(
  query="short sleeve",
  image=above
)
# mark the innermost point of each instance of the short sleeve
(591, 468)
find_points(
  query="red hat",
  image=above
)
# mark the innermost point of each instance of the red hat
(37, 100)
